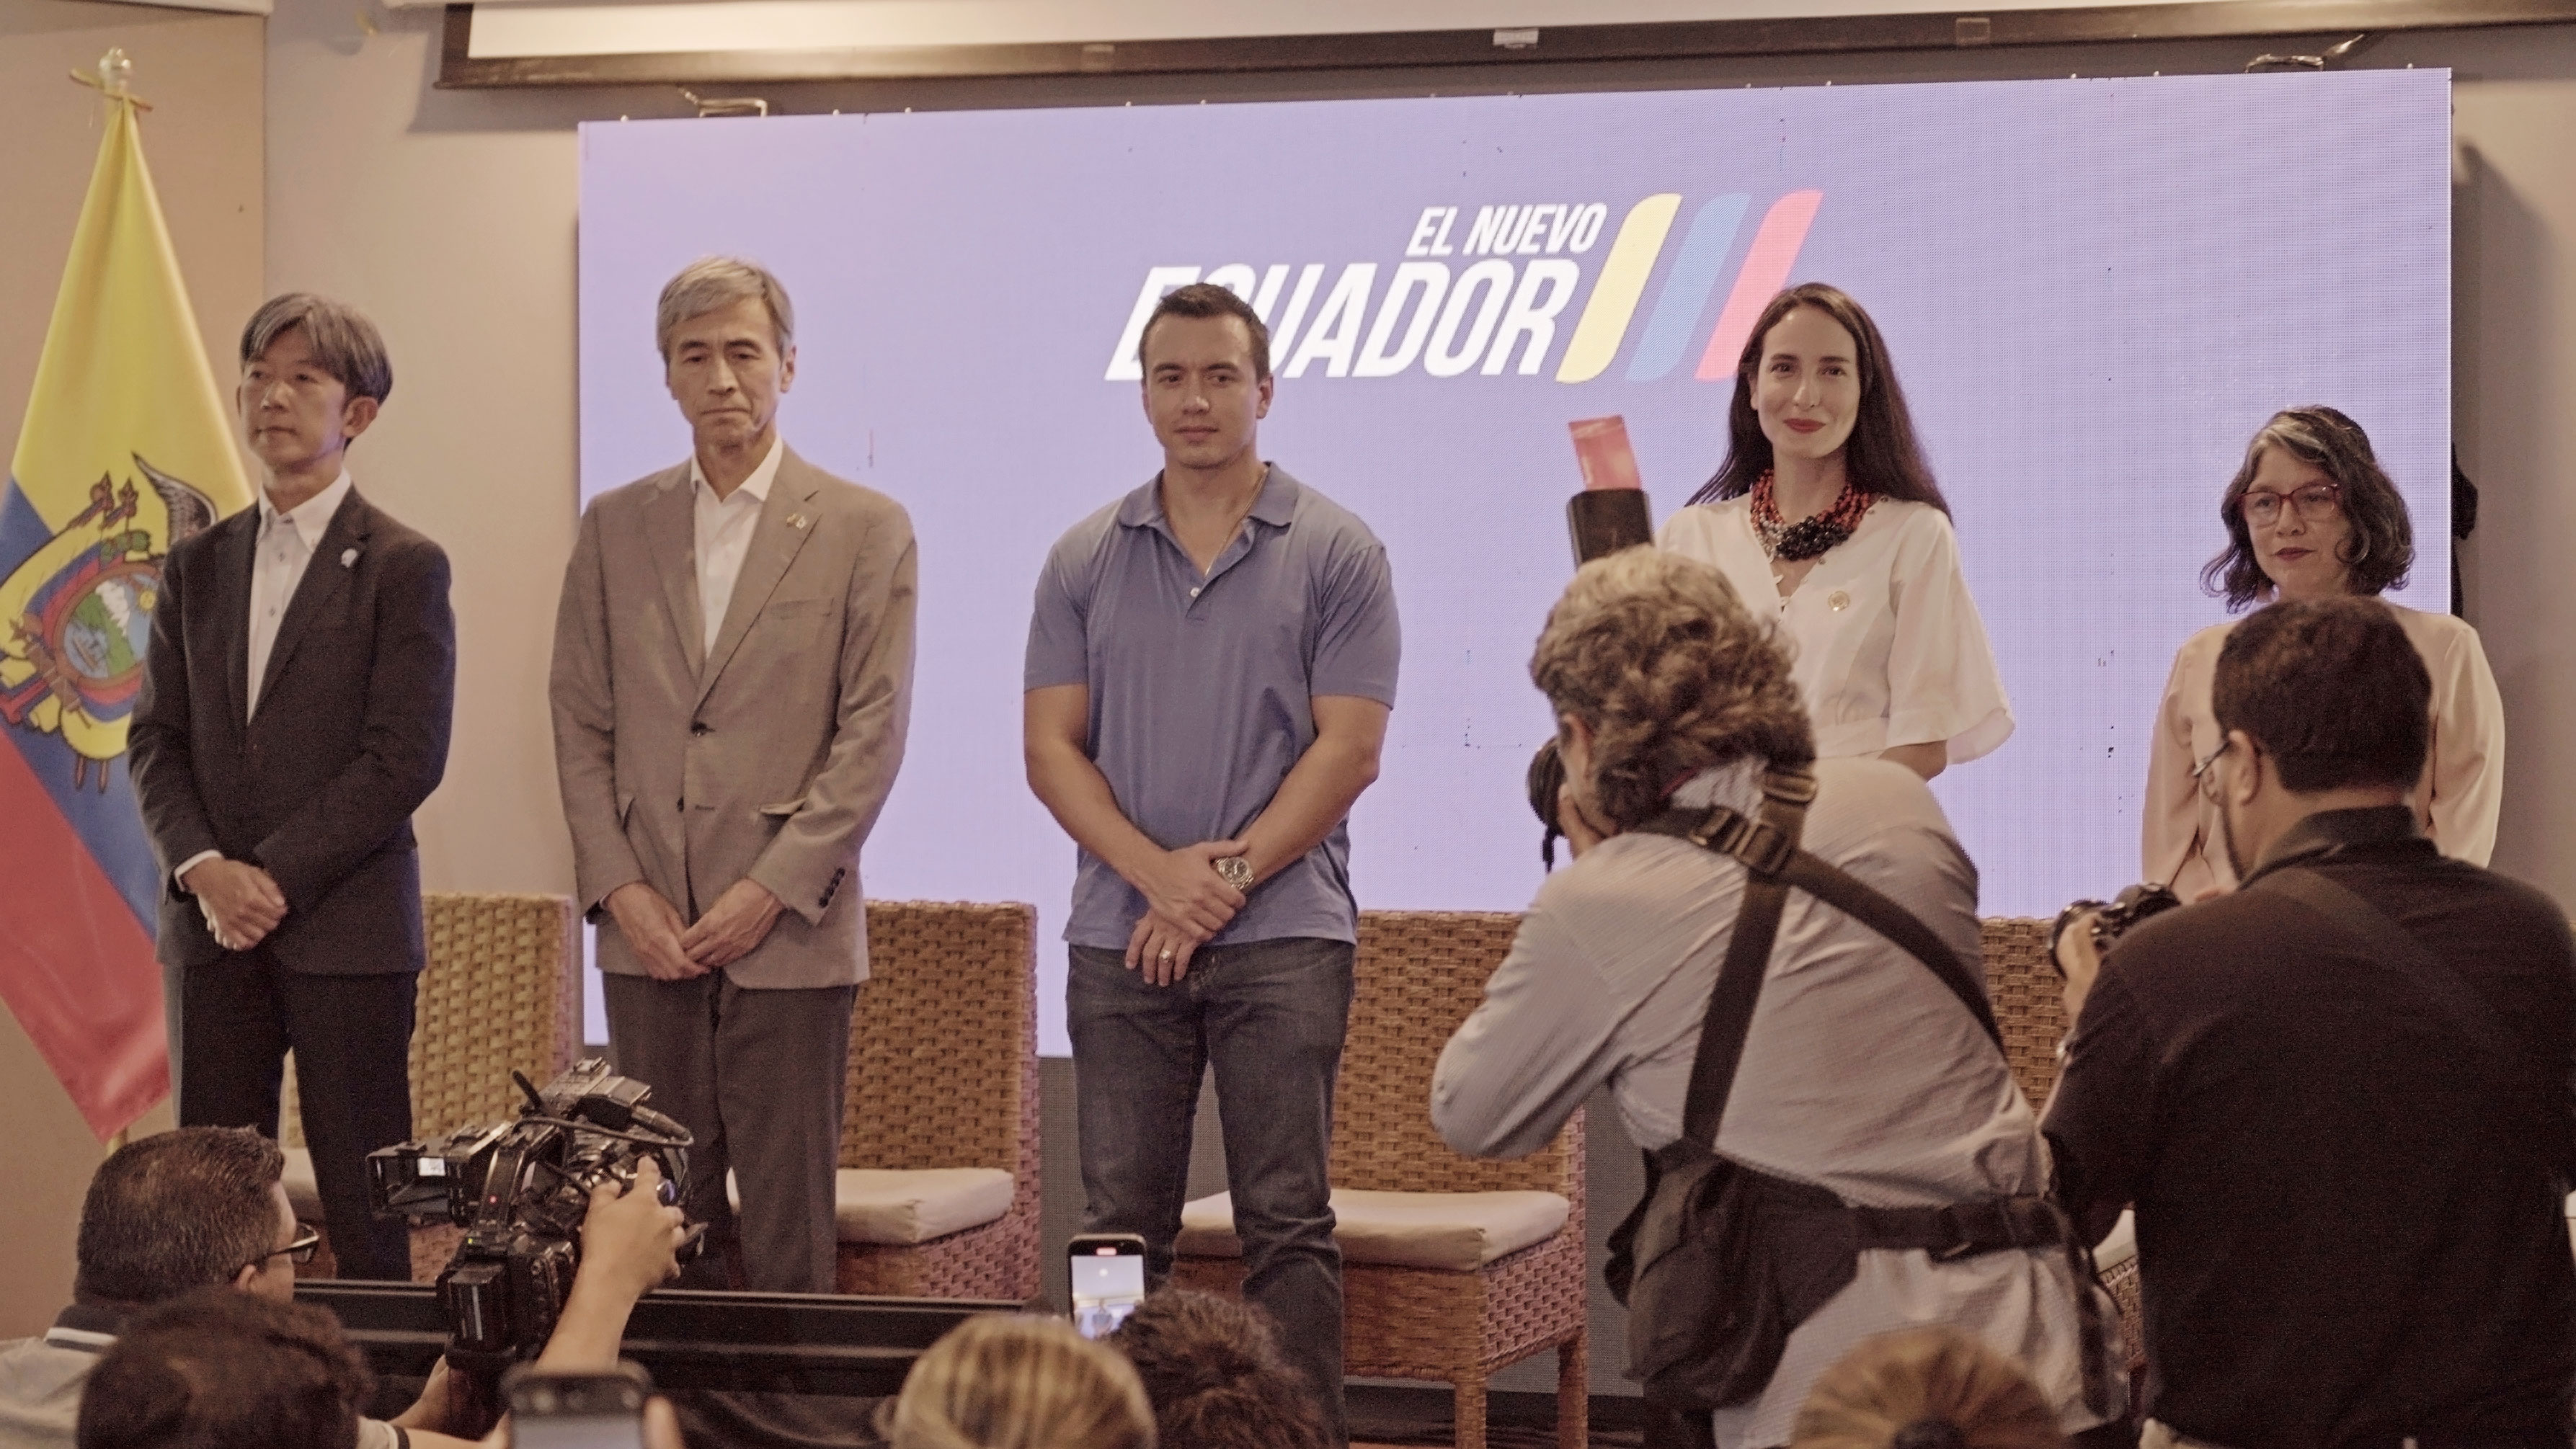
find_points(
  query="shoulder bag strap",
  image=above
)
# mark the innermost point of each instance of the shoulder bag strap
(1773, 855)
(1872, 908)
(2358, 918)
(2353, 912)
(1748, 954)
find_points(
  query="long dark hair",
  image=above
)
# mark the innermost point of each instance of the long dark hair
(2378, 552)
(1880, 457)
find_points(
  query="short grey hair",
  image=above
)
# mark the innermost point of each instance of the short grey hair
(344, 342)
(1672, 673)
(713, 282)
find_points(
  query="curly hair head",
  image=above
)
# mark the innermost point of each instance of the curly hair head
(2379, 551)
(1671, 673)
(1011, 1381)
(1925, 1387)
(1213, 1369)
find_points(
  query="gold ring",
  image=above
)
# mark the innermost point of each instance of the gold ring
(1167, 953)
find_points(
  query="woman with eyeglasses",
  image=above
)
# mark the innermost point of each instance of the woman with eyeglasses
(1827, 521)
(2310, 515)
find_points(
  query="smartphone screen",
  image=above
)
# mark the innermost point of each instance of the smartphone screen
(1108, 1274)
(576, 1411)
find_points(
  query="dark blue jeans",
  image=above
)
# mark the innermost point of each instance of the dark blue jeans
(1269, 1016)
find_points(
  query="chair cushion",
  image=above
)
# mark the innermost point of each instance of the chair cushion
(2119, 1245)
(1456, 1231)
(879, 1205)
(300, 1187)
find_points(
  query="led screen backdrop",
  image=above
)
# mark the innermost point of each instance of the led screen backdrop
(2094, 291)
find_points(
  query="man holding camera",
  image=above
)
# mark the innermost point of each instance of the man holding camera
(225, 1186)
(1210, 668)
(2340, 1097)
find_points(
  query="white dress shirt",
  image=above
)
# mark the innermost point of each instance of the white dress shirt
(724, 528)
(1888, 647)
(286, 544)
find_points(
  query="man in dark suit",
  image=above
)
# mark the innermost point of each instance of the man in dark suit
(295, 712)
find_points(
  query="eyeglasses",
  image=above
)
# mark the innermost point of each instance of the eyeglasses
(2201, 774)
(2261, 507)
(298, 1251)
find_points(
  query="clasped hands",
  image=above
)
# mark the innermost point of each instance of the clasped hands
(1186, 904)
(674, 951)
(240, 901)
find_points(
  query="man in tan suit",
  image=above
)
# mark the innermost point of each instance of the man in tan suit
(732, 681)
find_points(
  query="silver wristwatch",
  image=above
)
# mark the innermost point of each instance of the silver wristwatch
(1235, 871)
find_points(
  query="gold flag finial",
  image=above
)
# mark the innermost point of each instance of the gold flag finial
(114, 78)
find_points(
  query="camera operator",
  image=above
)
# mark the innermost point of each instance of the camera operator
(2339, 1098)
(1861, 1074)
(206, 1207)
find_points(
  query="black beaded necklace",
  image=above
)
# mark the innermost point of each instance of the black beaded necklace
(1808, 537)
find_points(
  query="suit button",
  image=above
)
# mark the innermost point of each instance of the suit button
(700, 727)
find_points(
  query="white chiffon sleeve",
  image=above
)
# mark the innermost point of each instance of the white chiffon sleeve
(1942, 683)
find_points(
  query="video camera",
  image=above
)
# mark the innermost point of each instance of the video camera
(521, 1189)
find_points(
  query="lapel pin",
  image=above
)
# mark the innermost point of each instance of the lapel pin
(348, 558)
(796, 521)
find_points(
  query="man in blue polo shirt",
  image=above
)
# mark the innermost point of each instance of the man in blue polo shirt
(1210, 668)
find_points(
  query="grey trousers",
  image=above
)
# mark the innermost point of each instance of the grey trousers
(758, 1078)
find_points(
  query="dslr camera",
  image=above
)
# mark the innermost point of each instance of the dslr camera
(2113, 918)
(520, 1189)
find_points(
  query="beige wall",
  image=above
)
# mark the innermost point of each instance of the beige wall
(202, 74)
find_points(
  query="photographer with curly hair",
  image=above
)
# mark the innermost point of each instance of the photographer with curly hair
(1867, 1094)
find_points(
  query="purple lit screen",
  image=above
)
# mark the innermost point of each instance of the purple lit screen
(2094, 292)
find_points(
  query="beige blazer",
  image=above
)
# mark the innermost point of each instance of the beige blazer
(769, 757)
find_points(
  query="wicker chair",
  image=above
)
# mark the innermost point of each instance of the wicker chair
(944, 1074)
(501, 992)
(1419, 974)
(2031, 1008)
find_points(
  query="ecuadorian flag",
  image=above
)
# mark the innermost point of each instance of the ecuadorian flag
(126, 450)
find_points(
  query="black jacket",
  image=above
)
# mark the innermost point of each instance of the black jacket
(319, 788)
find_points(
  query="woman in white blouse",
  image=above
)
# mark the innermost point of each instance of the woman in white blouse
(1825, 509)
(2311, 514)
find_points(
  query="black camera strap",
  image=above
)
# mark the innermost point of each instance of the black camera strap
(1774, 862)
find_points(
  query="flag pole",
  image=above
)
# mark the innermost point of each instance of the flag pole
(114, 78)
